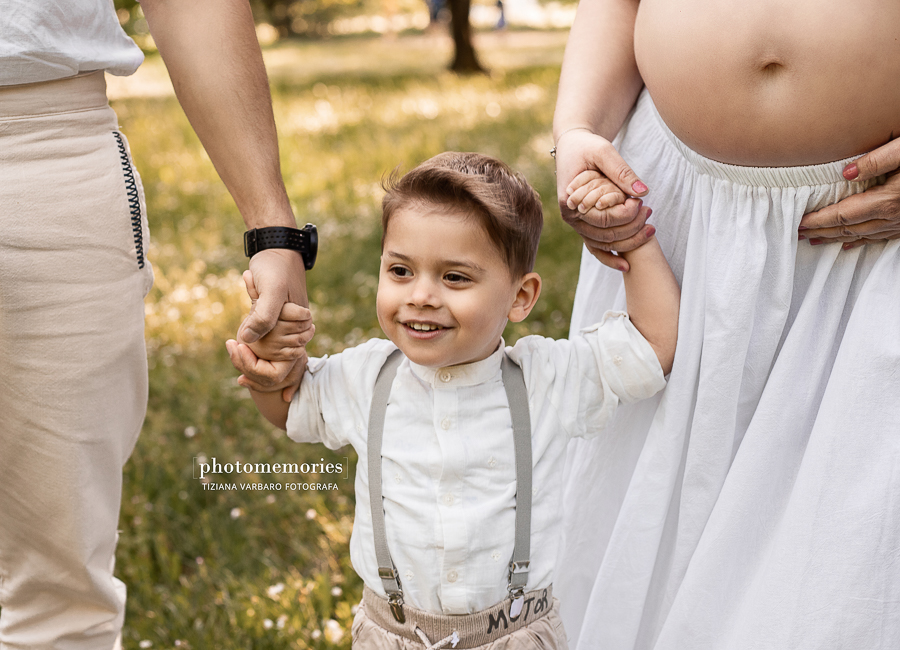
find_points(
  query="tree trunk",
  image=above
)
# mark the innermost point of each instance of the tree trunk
(464, 59)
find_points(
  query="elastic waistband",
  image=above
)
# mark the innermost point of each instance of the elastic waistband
(84, 92)
(473, 630)
(824, 174)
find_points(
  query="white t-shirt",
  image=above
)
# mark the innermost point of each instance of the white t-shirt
(42, 40)
(448, 462)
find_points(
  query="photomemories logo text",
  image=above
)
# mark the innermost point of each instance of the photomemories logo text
(227, 475)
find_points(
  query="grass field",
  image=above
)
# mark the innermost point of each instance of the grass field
(270, 568)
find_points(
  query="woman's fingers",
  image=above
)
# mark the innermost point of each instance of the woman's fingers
(873, 229)
(611, 224)
(882, 160)
(605, 158)
(607, 258)
(873, 214)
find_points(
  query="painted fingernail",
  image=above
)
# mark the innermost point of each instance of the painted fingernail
(851, 245)
(638, 187)
(650, 231)
(649, 212)
(851, 171)
(815, 242)
(801, 237)
(802, 228)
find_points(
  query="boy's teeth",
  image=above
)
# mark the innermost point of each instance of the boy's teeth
(423, 327)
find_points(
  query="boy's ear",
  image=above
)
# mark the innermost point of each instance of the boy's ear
(526, 296)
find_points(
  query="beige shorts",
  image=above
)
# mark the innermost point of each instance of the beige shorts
(537, 626)
(73, 367)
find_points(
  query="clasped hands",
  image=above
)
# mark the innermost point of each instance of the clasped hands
(270, 348)
(600, 197)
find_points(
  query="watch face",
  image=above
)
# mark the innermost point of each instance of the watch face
(312, 249)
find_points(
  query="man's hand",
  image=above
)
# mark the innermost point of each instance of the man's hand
(873, 215)
(276, 277)
(272, 354)
(620, 227)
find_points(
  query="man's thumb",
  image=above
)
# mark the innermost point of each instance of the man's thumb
(260, 321)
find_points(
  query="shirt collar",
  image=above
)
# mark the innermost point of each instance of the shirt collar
(465, 374)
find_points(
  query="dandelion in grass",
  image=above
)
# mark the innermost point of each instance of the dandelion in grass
(311, 514)
(336, 591)
(275, 589)
(333, 631)
(236, 513)
(268, 624)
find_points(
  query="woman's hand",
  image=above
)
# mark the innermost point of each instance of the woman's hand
(620, 227)
(873, 215)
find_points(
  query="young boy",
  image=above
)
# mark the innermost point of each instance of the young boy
(447, 553)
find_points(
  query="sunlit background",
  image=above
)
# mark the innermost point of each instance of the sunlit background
(359, 87)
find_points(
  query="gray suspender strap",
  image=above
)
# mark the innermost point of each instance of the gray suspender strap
(517, 396)
(386, 570)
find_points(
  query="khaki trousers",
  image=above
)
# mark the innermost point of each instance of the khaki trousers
(73, 369)
(538, 626)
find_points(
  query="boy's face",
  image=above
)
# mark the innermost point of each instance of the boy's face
(444, 290)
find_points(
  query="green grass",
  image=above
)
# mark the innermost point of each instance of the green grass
(270, 569)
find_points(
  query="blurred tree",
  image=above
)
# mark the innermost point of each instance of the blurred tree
(312, 18)
(465, 60)
(304, 17)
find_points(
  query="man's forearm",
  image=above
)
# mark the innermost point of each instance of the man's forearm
(599, 82)
(214, 60)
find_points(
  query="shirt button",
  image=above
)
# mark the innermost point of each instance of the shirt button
(445, 424)
(449, 499)
(446, 376)
(617, 360)
(492, 462)
(452, 576)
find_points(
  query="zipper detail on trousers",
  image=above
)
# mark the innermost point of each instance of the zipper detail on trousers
(134, 201)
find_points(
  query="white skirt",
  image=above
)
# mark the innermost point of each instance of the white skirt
(754, 503)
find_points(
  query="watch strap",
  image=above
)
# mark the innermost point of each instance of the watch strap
(296, 239)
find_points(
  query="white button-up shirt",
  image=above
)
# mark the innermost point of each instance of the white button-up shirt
(448, 465)
(41, 40)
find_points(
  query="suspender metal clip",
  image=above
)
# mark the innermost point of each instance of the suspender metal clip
(396, 602)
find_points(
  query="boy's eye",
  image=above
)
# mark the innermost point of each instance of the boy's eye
(456, 278)
(400, 271)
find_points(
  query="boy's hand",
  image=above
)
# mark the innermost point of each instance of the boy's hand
(591, 190)
(244, 360)
(287, 340)
(617, 228)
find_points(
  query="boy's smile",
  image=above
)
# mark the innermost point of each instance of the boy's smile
(445, 292)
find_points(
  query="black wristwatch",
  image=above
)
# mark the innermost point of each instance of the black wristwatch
(304, 240)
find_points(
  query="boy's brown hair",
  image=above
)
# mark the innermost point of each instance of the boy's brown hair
(502, 201)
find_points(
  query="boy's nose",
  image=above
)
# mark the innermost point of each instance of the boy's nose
(423, 293)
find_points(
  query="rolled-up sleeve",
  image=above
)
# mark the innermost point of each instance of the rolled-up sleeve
(332, 404)
(586, 377)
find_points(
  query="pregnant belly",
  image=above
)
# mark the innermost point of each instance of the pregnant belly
(774, 83)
